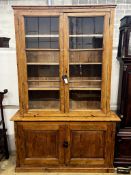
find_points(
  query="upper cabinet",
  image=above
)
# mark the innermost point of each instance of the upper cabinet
(64, 59)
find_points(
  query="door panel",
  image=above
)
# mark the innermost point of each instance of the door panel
(40, 144)
(81, 138)
(84, 61)
(89, 144)
(42, 58)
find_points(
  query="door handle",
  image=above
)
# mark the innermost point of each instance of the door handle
(65, 79)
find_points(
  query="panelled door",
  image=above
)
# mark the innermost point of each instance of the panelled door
(90, 144)
(40, 144)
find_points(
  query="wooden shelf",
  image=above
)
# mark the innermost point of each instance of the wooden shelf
(41, 49)
(43, 88)
(85, 78)
(87, 35)
(42, 36)
(89, 49)
(80, 80)
(85, 88)
(43, 80)
(35, 63)
(77, 63)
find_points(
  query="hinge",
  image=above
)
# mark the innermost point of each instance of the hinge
(125, 67)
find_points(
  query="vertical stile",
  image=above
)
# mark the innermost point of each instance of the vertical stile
(105, 63)
(61, 36)
(66, 60)
(23, 65)
(111, 19)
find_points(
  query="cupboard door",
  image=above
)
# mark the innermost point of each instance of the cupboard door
(42, 61)
(90, 145)
(40, 144)
(85, 61)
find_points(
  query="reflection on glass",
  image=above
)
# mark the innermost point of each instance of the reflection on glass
(129, 45)
(122, 45)
(44, 99)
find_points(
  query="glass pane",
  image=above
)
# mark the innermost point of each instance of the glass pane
(31, 25)
(42, 42)
(129, 45)
(85, 65)
(81, 71)
(41, 25)
(43, 85)
(85, 42)
(43, 64)
(43, 76)
(44, 100)
(86, 32)
(84, 99)
(86, 25)
(42, 32)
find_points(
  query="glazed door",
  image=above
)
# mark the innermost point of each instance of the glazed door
(85, 61)
(89, 145)
(40, 144)
(42, 60)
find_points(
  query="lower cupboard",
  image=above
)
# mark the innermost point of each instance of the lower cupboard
(65, 146)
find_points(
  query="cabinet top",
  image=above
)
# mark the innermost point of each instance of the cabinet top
(125, 21)
(102, 6)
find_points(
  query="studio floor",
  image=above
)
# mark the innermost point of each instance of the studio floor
(7, 167)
